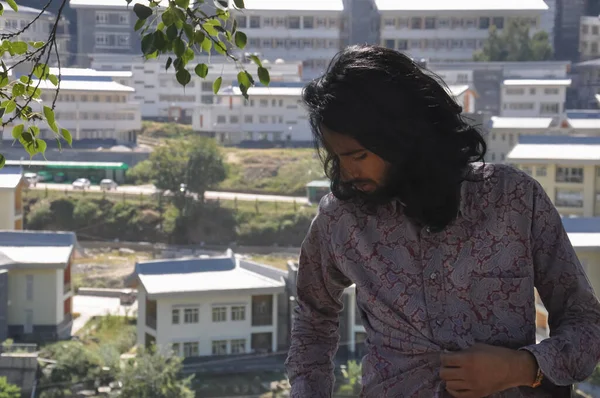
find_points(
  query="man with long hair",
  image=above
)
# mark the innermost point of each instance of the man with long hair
(444, 250)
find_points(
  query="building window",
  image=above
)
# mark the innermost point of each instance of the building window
(221, 119)
(242, 21)
(430, 23)
(123, 40)
(402, 44)
(390, 43)
(101, 18)
(321, 22)
(255, 22)
(263, 119)
(515, 91)
(333, 22)
(238, 346)
(568, 198)
(541, 171)
(294, 22)
(594, 48)
(248, 119)
(101, 39)
(219, 314)
(551, 91)
(29, 287)
(594, 30)
(263, 103)
(403, 23)
(190, 349)
(234, 119)
(549, 108)
(532, 91)
(191, 315)
(443, 23)
(124, 18)
(569, 174)
(389, 22)
(175, 349)
(308, 22)
(521, 106)
(175, 316)
(527, 170)
(238, 313)
(415, 23)
(219, 347)
(484, 23)
(585, 29)
(498, 22)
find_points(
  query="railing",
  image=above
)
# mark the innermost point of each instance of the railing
(17, 348)
(262, 320)
(151, 321)
(66, 287)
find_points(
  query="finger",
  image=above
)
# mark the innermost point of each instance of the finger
(452, 359)
(452, 374)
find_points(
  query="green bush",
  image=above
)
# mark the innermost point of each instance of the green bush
(141, 173)
(8, 390)
(86, 213)
(41, 217)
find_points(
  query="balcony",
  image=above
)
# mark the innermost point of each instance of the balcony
(151, 322)
(67, 287)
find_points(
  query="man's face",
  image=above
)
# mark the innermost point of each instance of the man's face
(360, 167)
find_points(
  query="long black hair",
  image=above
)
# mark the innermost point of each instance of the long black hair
(404, 114)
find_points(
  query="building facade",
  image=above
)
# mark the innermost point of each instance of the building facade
(449, 31)
(567, 28)
(533, 97)
(11, 197)
(37, 276)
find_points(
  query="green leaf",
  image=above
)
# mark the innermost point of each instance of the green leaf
(67, 136)
(220, 48)
(239, 4)
(199, 37)
(139, 24)
(189, 32)
(256, 60)
(179, 47)
(24, 79)
(168, 17)
(53, 79)
(183, 3)
(210, 29)
(183, 77)
(49, 115)
(217, 84)
(207, 44)
(222, 3)
(160, 41)
(18, 90)
(13, 5)
(59, 144)
(17, 131)
(37, 44)
(160, 26)
(244, 90)
(41, 71)
(168, 64)
(3, 80)
(1, 9)
(172, 32)
(40, 146)
(188, 55)
(179, 15)
(148, 44)
(250, 78)
(201, 70)
(9, 106)
(34, 130)
(19, 47)
(142, 11)
(243, 79)
(240, 39)
(2, 161)
(263, 76)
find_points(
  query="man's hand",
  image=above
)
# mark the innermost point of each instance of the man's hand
(483, 370)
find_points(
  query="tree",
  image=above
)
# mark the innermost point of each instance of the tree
(8, 390)
(191, 165)
(515, 44)
(176, 29)
(152, 374)
(352, 373)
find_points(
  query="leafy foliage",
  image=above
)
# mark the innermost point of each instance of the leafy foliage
(8, 390)
(152, 374)
(197, 163)
(515, 44)
(178, 29)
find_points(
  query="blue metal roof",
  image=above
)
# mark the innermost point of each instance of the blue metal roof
(558, 140)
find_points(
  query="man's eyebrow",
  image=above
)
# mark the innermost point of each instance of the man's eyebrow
(353, 152)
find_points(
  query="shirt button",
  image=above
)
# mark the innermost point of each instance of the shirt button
(433, 275)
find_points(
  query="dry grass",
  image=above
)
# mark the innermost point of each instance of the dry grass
(276, 259)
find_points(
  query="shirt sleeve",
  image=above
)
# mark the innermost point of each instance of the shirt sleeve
(573, 349)
(315, 332)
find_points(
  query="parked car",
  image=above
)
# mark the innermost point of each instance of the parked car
(107, 184)
(82, 183)
(31, 179)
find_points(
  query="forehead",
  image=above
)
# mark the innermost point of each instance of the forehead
(339, 143)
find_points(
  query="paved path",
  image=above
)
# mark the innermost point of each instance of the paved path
(89, 306)
(150, 189)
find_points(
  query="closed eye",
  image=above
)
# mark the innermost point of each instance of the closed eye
(361, 157)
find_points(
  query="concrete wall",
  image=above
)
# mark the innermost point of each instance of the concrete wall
(20, 369)
(7, 210)
(3, 305)
(46, 297)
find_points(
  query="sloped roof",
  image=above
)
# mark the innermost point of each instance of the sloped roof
(10, 176)
(32, 249)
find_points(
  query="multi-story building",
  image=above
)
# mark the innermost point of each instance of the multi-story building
(11, 197)
(487, 78)
(212, 306)
(274, 114)
(361, 23)
(567, 167)
(589, 38)
(39, 30)
(94, 107)
(586, 85)
(533, 97)
(162, 98)
(452, 30)
(307, 31)
(36, 294)
(567, 28)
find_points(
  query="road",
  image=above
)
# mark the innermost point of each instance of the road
(89, 306)
(211, 195)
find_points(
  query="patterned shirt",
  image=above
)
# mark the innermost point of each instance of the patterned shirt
(420, 292)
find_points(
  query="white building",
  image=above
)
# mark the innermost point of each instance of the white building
(589, 38)
(533, 97)
(307, 31)
(11, 189)
(93, 107)
(441, 30)
(211, 306)
(163, 98)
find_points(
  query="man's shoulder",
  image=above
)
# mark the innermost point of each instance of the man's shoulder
(330, 206)
(503, 178)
